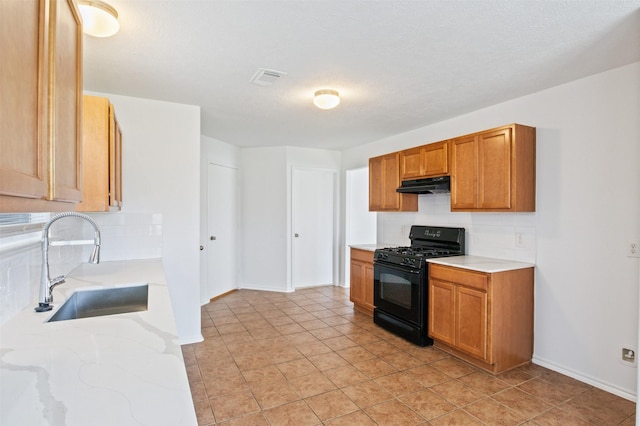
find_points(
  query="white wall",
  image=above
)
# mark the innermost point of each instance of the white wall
(588, 205)
(263, 196)
(360, 225)
(266, 211)
(161, 175)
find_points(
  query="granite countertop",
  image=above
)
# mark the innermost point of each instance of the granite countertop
(124, 369)
(481, 264)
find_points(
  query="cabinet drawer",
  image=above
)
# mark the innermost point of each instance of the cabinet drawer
(475, 280)
(362, 255)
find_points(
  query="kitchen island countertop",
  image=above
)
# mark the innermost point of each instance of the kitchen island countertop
(124, 369)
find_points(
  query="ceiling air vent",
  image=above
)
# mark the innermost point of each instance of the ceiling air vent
(265, 77)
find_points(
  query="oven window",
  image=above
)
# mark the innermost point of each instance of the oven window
(395, 289)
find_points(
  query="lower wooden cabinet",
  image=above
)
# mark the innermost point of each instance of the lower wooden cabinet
(484, 318)
(361, 282)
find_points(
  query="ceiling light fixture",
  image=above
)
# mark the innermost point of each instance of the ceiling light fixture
(98, 18)
(326, 99)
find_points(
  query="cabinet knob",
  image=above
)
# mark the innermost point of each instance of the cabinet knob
(296, 235)
(201, 248)
(212, 238)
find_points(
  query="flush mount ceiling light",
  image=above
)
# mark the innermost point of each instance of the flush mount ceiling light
(326, 99)
(98, 18)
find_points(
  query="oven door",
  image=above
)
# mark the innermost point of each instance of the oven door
(399, 291)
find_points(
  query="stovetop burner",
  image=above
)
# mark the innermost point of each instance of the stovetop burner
(426, 242)
(417, 251)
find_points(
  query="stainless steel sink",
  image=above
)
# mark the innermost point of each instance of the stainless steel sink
(99, 302)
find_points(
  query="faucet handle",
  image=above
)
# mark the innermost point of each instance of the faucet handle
(57, 280)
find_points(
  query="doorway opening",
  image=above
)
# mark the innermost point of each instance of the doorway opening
(360, 223)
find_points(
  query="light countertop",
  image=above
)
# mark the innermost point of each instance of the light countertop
(371, 247)
(124, 369)
(481, 264)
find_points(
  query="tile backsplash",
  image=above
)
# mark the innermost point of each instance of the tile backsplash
(123, 236)
(509, 236)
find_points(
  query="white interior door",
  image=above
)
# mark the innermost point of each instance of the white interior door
(222, 228)
(313, 227)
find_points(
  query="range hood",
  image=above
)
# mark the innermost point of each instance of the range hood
(435, 185)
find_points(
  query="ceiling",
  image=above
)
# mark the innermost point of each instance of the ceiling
(398, 65)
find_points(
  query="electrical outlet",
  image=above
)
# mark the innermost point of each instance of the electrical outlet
(628, 356)
(520, 240)
(633, 249)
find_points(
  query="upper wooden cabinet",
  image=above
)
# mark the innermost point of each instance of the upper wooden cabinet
(41, 105)
(494, 170)
(384, 179)
(101, 156)
(425, 161)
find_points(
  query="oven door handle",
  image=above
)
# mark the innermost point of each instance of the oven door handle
(396, 268)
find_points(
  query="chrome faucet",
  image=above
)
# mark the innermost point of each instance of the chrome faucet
(46, 282)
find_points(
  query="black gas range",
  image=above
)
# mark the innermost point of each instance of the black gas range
(400, 280)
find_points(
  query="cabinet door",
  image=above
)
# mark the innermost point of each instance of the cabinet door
(436, 159)
(118, 165)
(464, 184)
(384, 178)
(471, 320)
(368, 285)
(113, 154)
(95, 154)
(412, 163)
(442, 319)
(65, 95)
(375, 184)
(357, 274)
(23, 102)
(361, 284)
(391, 173)
(494, 169)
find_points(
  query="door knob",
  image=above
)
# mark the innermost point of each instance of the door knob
(212, 238)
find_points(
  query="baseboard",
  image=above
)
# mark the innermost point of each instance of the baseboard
(220, 296)
(275, 289)
(316, 285)
(191, 339)
(584, 378)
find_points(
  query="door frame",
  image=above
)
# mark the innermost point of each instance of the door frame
(205, 285)
(353, 213)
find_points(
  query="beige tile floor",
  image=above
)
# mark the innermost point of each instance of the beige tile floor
(307, 358)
